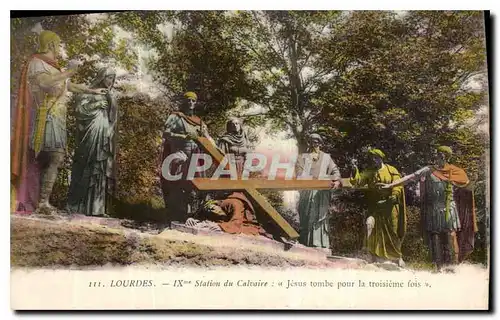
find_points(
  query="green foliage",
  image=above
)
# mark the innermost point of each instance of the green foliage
(414, 248)
(200, 58)
(81, 37)
(275, 198)
(400, 85)
(347, 223)
(290, 216)
(141, 121)
(284, 47)
(143, 24)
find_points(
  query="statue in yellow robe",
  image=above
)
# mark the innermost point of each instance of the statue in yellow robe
(386, 223)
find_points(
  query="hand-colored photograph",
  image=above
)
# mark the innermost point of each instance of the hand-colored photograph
(329, 160)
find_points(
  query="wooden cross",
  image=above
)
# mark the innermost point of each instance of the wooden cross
(250, 188)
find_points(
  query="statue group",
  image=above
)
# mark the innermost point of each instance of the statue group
(448, 214)
(39, 145)
(40, 137)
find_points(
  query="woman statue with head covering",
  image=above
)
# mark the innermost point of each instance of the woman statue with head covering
(92, 173)
(234, 142)
(447, 209)
(386, 224)
(314, 205)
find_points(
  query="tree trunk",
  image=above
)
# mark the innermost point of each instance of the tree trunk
(296, 92)
(302, 143)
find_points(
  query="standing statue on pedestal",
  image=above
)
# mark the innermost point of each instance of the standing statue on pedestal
(447, 209)
(314, 205)
(39, 139)
(92, 173)
(386, 223)
(181, 130)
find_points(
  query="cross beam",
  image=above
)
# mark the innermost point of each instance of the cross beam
(282, 185)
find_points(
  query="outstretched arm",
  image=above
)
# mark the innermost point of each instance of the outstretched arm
(48, 80)
(169, 134)
(406, 179)
(81, 88)
(397, 191)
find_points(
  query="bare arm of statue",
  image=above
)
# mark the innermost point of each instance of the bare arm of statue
(204, 132)
(48, 80)
(406, 179)
(80, 88)
(169, 134)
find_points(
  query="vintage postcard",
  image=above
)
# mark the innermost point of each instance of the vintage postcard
(320, 160)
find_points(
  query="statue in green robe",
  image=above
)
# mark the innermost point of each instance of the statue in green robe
(181, 131)
(314, 205)
(386, 223)
(92, 172)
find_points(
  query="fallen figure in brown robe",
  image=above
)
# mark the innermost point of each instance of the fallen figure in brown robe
(234, 214)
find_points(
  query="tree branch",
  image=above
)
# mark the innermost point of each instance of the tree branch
(263, 59)
(255, 114)
(306, 60)
(269, 44)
